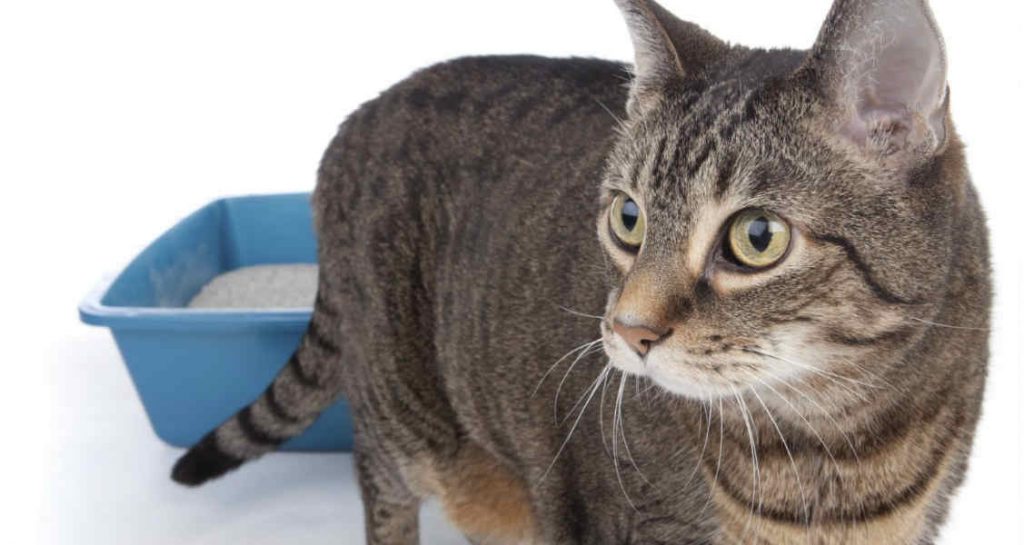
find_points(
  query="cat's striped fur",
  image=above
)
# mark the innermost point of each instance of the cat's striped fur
(830, 399)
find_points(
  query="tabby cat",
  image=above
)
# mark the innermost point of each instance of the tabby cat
(777, 334)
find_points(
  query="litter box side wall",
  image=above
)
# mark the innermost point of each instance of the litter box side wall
(195, 368)
(191, 382)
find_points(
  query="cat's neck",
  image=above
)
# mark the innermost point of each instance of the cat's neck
(869, 475)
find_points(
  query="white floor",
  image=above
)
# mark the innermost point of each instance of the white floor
(110, 484)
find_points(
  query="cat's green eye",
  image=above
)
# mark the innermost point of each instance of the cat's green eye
(627, 221)
(758, 238)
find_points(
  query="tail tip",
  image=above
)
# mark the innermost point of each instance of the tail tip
(203, 462)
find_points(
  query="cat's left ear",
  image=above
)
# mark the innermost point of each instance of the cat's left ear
(666, 49)
(882, 66)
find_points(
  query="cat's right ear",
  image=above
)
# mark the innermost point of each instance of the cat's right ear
(666, 49)
(881, 66)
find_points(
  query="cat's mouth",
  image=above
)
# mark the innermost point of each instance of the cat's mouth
(691, 373)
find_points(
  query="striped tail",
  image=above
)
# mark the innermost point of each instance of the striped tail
(307, 385)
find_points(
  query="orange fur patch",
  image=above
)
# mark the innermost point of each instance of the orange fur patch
(485, 501)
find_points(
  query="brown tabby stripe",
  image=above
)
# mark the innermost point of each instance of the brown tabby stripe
(865, 271)
(893, 427)
(275, 407)
(677, 151)
(867, 511)
(301, 376)
(897, 334)
(659, 157)
(880, 507)
(726, 164)
(702, 156)
(814, 296)
(321, 338)
(252, 431)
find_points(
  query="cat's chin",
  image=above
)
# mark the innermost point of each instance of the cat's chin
(708, 389)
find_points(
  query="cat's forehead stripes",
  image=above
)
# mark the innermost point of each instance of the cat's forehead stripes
(693, 132)
(683, 169)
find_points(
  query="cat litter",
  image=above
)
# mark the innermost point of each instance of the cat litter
(260, 286)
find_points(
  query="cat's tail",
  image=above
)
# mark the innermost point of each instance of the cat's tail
(307, 385)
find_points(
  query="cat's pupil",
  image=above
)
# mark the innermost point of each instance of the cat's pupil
(630, 214)
(760, 234)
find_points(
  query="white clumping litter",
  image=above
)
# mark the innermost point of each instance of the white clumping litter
(260, 286)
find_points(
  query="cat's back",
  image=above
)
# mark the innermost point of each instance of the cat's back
(529, 94)
(442, 171)
(474, 120)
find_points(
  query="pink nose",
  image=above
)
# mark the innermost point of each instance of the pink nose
(640, 337)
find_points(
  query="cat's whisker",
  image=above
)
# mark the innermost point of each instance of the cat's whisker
(579, 357)
(615, 442)
(948, 326)
(718, 463)
(707, 437)
(824, 373)
(789, 453)
(625, 442)
(575, 406)
(853, 450)
(593, 390)
(567, 355)
(806, 422)
(869, 374)
(600, 414)
(826, 413)
(618, 121)
(580, 314)
(756, 493)
(834, 378)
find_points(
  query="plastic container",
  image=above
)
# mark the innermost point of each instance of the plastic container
(195, 368)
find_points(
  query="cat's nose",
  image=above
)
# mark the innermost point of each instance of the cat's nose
(640, 337)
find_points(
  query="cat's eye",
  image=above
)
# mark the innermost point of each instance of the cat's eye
(627, 221)
(758, 238)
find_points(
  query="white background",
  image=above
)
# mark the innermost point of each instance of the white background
(118, 118)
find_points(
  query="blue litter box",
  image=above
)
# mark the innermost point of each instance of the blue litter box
(195, 368)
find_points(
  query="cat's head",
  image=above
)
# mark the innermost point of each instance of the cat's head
(779, 216)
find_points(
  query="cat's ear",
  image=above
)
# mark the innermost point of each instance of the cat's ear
(666, 49)
(882, 66)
